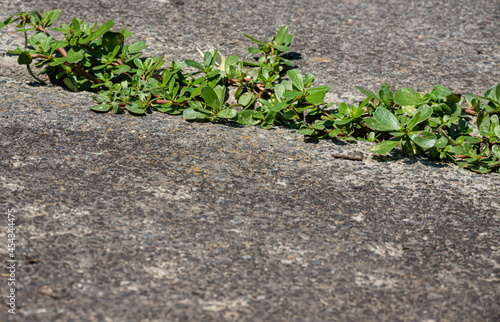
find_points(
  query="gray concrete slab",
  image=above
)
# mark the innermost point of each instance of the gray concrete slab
(123, 218)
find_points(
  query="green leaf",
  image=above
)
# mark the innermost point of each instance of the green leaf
(496, 130)
(228, 113)
(74, 56)
(58, 61)
(40, 41)
(230, 61)
(101, 107)
(494, 94)
(112, 39)
(137, 47)
(249, 117)
(292, 94)
(24, 58)
(253, 50)
(367, 92)
(191, 114)
(296, 78)
(407, 96)
(134, 108)
(221, 94)
(209, 58)
(441, 142)
(473, 139)
(383, 120)
(50, 17)
(194, 64)
(386, 95)
(281, 48)
(102, 31)
(210, 97)
(384, 147)
(424, 139)
(281, 35)
(278, 107)
(253, 39)
(496, 151)
(439, 93)
(246, 98)
(307, 131)
(316, 98)
(70, 84)
(269, 120)
(422, 114)
(120, 69)
(483, 123)
(7, 21)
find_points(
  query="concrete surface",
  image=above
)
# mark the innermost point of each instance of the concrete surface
(123, 218)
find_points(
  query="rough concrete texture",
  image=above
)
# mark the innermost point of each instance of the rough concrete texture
(123, 218)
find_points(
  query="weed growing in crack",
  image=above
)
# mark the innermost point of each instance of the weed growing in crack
(267, 92)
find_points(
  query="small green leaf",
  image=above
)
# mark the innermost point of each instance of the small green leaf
(316, 98)
(496, 151)
(281, 48)
(439, 93)
(134, 108)
(24, 58)
(228, 113)
(307, 131)
(70, 84)
(101, 107)
(278, 107)
(496, 130)
(112, 39)
(424, 139)
(102, 31)
(230, 61)
(40, 41)
(367, 92)
(120, 69)
(194, 64)
(292, 94)
(493, 94)
(210, 97)
(246, 98)
(319, 126)
(249, 117)
(253, 39)
(137, 47)
(386, 94)
(74, 56)
(384, 147)
(407, 96)
(383, 120)
(473, 140)
(422, 114)
(281, 35)
(279, 90)
(296, 78)
(253, 50)
(191, 114)
(7, 21)
(441, 142)
(50, 17)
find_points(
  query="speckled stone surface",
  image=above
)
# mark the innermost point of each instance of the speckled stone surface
(123, 218)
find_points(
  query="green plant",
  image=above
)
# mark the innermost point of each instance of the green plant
(269, 91)
(435, 124)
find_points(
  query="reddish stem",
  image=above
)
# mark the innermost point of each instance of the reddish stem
(470, 112)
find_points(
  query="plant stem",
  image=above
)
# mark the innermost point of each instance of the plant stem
(33, 75)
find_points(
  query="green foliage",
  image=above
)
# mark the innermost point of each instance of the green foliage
(268, 92)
